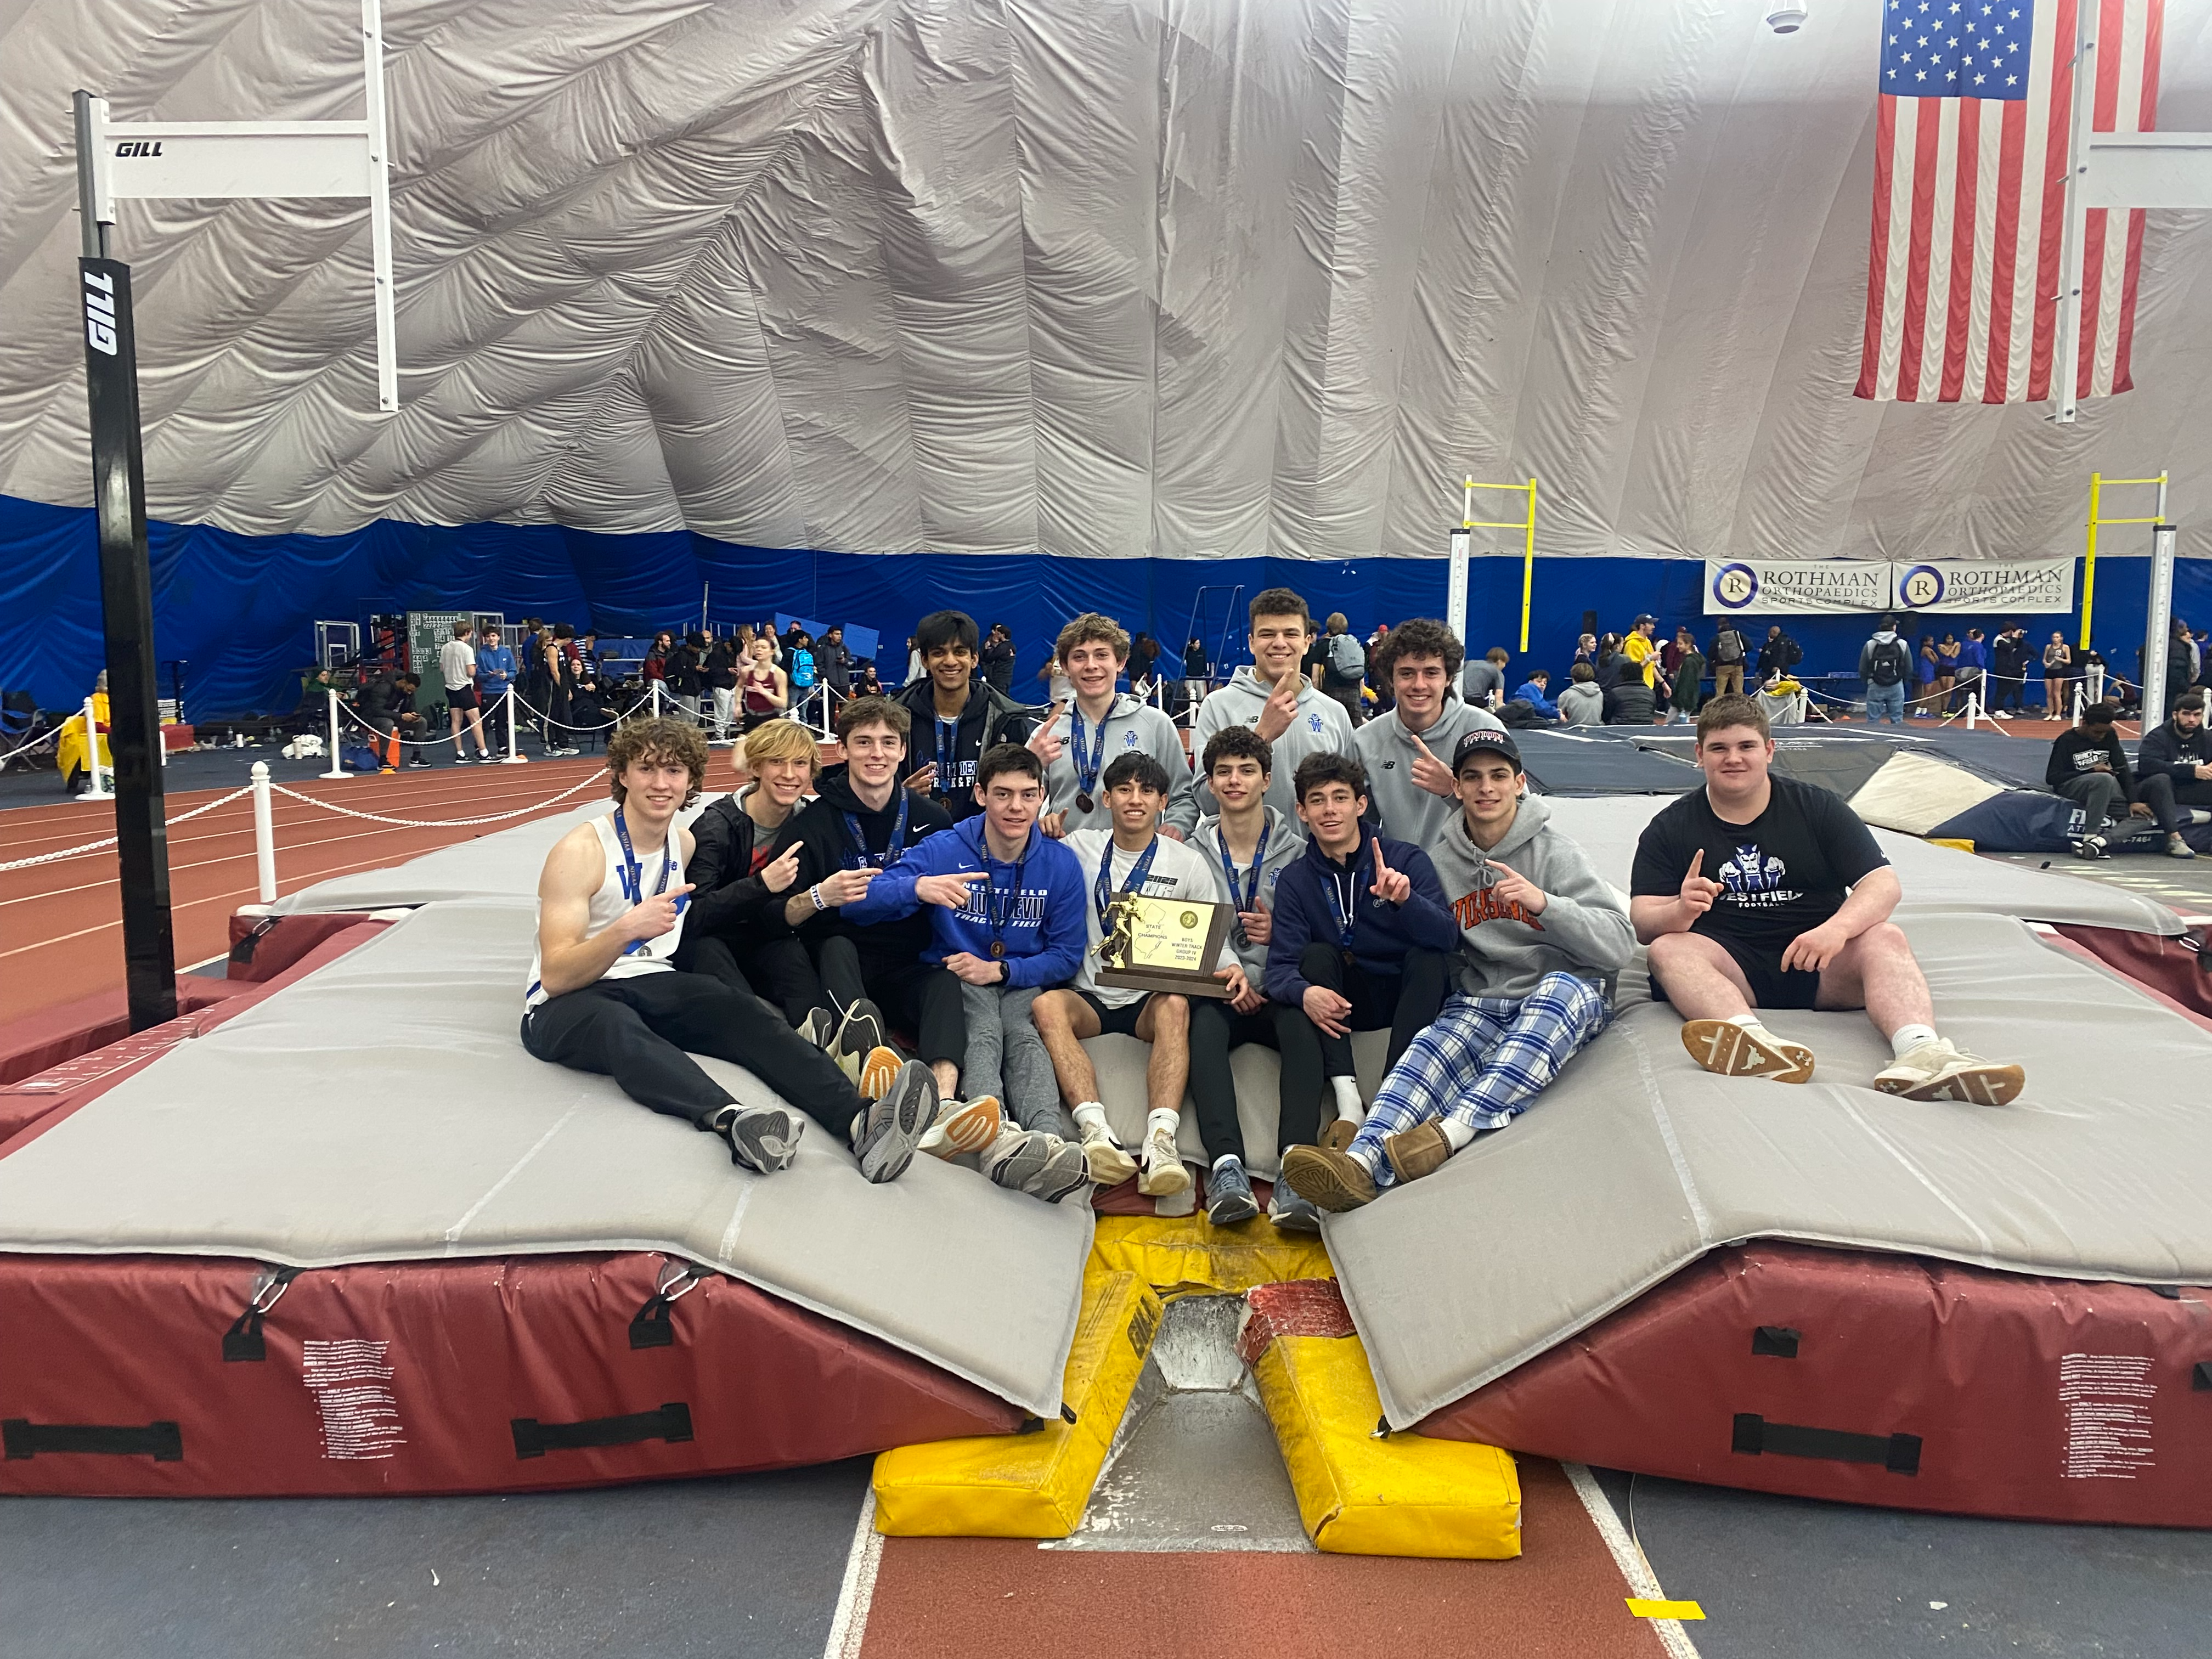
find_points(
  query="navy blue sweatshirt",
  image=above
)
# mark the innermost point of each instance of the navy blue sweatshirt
(1382, 933)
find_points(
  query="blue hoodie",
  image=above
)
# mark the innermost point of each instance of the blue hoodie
(1048, 933)
(1382, 933)
(1533, 695)
(494, 670)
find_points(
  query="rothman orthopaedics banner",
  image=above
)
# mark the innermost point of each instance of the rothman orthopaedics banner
(1985, 585)
(2032, 586)
(1734, 587)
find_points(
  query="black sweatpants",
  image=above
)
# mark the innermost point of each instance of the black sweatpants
(636, 1030)
(1215, 1028)
(777, 970)
(1406, 1001)
(921, 996)
(2169, 800)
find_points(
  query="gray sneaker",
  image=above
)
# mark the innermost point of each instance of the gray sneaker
(763, 1138)
(1229, 1198)
(1038, 1162)
(1290, 1212)
(860, 1033)
(893, 1125)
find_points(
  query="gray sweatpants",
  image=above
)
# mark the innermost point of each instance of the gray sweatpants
(1006, 1056)
(2100, 794)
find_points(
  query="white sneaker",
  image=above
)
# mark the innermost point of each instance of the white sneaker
(1164, 1174)
(962, 1126)
(1108, 1159)
(2178, 849)
(1940, 1071)
(1733, 1050)
(818, 1027)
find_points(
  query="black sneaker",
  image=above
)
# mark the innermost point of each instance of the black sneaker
(893, 1126)
(1229, 1198)
(418, 764)
(859, 1034)
(763, 1138)
(1292, 1213)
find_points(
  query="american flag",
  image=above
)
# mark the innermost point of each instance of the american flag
(1969, 198)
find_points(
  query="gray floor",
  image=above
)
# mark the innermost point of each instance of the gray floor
(749, 1565)
(1791, 1578)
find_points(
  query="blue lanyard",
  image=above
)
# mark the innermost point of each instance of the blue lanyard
(1134, 883)
(1251, 894)
(1344, 915)
(1086, 767)
(631, 874)
(1001, 915)
(948, 754)
(859, 858)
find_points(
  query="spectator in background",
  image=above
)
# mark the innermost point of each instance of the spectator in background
(765, 688)
(1482, 681)
(1729, 653)
(999, 660)
(833, 663)
(1641, 647)
(1608, 664)
(560, 691)
(1779, 655)
(800, 669)
(494, 668)
(1973, 678)
(864, 683)
(719, 670)
(2091, 662)
(1342, 670)
(1946, 667)
(1195, 671)
(1885, 664)
(457, 667)
(1924, 668)
(2007, 665)
(1586, 650)
(916, 668)
(2057, 669)
(1630, 701)
(1581, 703)
(1144, 655)
(533, 669)
(655, 666)
(386, 706)
(1535, 691)
(1685, 678)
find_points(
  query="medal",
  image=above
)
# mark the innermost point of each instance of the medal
(998, 947)
(1087, 767)
(1083, 801)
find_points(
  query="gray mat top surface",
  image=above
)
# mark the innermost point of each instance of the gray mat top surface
(383, 1109)
(1635, 1162)
(1936, 878)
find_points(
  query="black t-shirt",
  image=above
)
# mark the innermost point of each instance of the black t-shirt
(1784, 872)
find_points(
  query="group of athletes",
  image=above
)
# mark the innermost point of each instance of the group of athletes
(952, 877)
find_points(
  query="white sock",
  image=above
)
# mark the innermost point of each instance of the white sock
(1089, 1113)
(1455, 1132)
(1749, 1021)
(1347, 1099)
(1907, 1038)
(1227, 1158)
(1160, 1117)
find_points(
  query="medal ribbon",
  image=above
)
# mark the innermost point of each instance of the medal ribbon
(948, 755)
(1343, 913)
(1086, 767)
(859, 858)
(999, 917)
(1250, 897)
(631, 874)
(1133, 883)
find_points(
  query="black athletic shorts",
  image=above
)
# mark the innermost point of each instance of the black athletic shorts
(1116, 1022)
(462, 697)
(1772, 985)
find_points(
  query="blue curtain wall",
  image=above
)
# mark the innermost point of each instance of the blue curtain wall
(240, 609)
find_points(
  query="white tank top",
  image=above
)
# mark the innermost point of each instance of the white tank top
(616, 894)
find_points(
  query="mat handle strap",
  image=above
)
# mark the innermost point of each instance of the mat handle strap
(671, 1423)
(162, 1442)
(1898, 1453)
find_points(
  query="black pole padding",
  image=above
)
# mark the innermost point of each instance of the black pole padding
(126, 593)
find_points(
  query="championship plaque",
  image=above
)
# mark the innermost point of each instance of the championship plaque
(1165, 945)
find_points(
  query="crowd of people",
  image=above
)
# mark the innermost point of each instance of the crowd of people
(954, 875)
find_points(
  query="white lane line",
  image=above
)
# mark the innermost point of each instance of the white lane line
(1629, 1559)
(850, 1626)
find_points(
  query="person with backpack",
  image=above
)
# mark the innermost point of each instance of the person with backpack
(800, 666)
(1341, 669)
(1729, 653)
(1885, 664)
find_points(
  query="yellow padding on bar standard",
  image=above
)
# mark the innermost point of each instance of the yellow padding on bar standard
(1405, 1495)
(1172, 1252)
(1034, 1485)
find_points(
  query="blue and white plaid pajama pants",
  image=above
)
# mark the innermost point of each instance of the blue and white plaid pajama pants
(1482, 1061)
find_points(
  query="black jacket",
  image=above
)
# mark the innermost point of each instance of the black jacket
(991, 717)
(2166, 750)
(818, 829)
(998, 661)
(382, 698)
(1780, 652)
(1630, 701)
(2076, 742)
(726, 898)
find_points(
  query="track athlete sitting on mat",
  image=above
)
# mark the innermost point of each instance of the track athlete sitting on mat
(1359, 941)
(2175, 769)
(1758, 892)
(1273, 696)
(1006, 911)
(1412, 788)
(859, 823)
(1138, 857)
(1251, 844)
(955, 715)
(734, 883)
(1539, 936)
(604, 995)
(1076, 745)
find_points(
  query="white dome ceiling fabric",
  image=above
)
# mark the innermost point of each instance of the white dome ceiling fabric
(1168, 278)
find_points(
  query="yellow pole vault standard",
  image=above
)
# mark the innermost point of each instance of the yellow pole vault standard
(2097, 483)
(1528, 528)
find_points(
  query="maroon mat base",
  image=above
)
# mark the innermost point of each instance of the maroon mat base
(147, 1376)
(2174, 968)
(1886, 1380)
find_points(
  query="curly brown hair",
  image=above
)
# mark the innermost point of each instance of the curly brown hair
(659, 739)
(1420, 637)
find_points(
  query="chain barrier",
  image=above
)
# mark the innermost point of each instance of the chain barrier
(99, 845)
(595, 779)
(50, 737)
(528, 708)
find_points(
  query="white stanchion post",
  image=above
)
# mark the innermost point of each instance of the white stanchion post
(97, 788)
(337, 770)
(656, 698)
(2078, 704)
(1974, 710)
(264, 834)
(514, 755)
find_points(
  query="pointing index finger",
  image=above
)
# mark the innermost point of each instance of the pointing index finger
(1696, 859)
